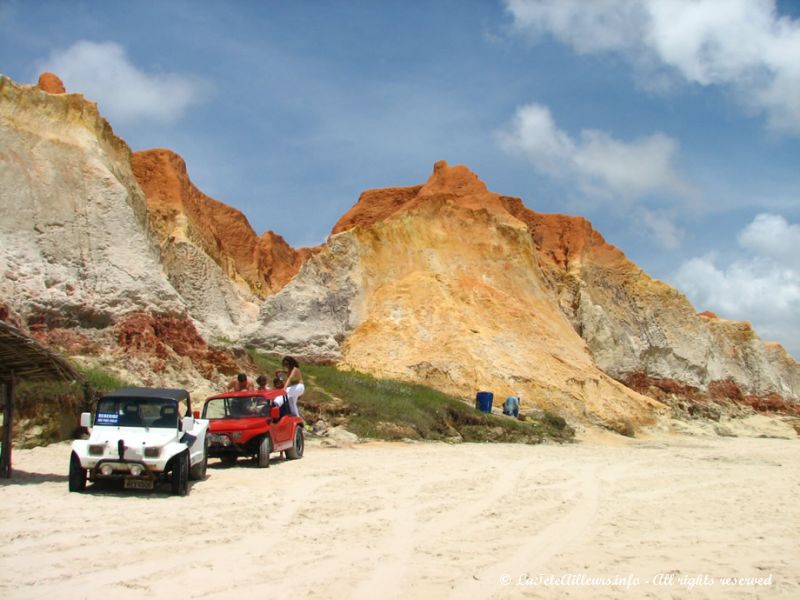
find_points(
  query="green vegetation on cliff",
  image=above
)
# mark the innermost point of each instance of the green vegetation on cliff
(393, 410)
(47, 411)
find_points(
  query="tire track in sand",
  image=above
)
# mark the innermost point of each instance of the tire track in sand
(534, 553)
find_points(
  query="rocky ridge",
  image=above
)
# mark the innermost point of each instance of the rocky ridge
(118, 257)
(177, 210)
(451, 284)
(639, 329)
(78, 261)
(443, 286)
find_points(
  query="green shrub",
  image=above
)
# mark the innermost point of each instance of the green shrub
(387, 409)
(266, 364)
(101, 380)
(554, 420)
(35, 399)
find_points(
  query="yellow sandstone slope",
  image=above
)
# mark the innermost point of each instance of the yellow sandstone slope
(447, 290)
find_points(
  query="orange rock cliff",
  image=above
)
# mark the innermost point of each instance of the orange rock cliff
(50, 83)
(178, 209)
(444, 283)
(451, 284)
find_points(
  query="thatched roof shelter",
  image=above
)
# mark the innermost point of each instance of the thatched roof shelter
(22, 357)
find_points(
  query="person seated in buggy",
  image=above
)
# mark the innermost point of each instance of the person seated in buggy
(281, 402)
(168, 416)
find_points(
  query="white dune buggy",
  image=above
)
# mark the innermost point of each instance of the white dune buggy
(141, 436)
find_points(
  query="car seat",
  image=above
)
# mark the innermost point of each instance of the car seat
(130, 416)
(168, 417)
(285, 409)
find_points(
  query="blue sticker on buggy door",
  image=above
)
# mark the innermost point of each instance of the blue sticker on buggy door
(107, 419)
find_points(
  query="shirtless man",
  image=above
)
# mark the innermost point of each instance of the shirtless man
(240, 384)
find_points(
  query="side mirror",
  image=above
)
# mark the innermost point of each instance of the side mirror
(186, 423)
(275, 413)
(86, 420)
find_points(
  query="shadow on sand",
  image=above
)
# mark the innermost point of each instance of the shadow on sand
(20, 477)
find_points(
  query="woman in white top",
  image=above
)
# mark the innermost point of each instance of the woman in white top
(294, 383)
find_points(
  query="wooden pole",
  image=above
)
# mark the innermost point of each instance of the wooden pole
(8, 420)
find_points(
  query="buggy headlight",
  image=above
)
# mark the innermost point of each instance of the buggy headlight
(136, 470)
(106, 470)
(152, 451)
(97, 449)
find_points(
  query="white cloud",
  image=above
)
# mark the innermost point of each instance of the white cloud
(629, 168)
(601, 164)
(740, 44)
(660, 226)
(763, 287)
(597, 26)
(534, 134)
(103, 72)
(774, 237)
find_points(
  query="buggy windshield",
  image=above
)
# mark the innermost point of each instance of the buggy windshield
(137, 412)
(236, 408)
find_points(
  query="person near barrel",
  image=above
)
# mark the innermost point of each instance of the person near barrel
(511, 406)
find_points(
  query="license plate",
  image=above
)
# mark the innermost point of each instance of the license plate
(138, 484)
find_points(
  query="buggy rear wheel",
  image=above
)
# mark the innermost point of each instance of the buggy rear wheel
(298, 445)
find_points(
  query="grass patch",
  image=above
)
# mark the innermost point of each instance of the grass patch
(101, 380)
(392, 410)
(46, 411)
(51, 407)
(555, 421)
(266, 364)
(388, 409)
(37, 399)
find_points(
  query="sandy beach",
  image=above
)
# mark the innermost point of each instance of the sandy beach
(666, 517)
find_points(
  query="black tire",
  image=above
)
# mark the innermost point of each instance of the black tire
(264, 450)
(77, 474)
(180, 474)
(298, 445)
(198, 471)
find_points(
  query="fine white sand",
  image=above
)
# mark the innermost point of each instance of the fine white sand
(665, 517)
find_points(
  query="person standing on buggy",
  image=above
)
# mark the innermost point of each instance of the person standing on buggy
(294, 385)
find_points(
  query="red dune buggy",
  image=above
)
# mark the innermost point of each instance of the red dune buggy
(249, 424)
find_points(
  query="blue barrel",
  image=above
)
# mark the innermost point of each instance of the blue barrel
(483, 401)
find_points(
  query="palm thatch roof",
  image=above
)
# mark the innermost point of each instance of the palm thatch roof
(24, 358)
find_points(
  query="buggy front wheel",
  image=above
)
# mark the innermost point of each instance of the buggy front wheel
(77, 474)
(180, 474)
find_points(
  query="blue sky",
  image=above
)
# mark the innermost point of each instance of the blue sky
(673, 126)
